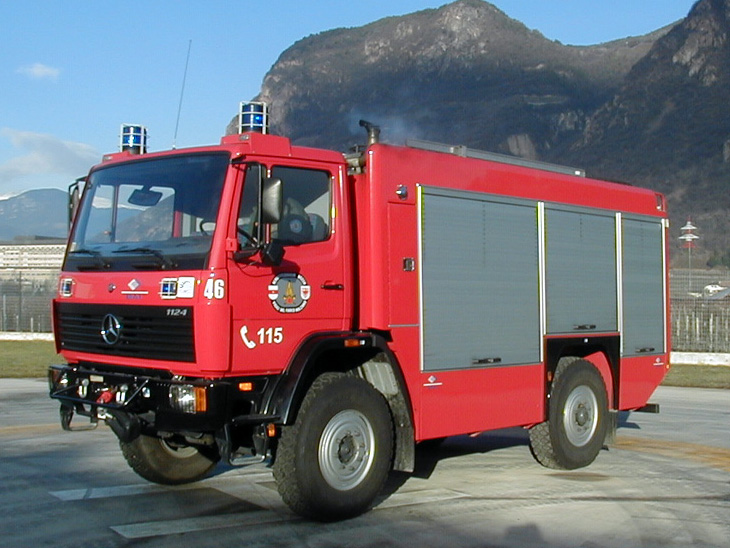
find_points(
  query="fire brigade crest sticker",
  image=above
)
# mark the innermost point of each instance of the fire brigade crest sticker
(289, 293)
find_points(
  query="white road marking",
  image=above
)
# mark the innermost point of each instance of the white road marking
(145, 488)
(189, 525)
(419, 497)
(242, 519)
(107, 492)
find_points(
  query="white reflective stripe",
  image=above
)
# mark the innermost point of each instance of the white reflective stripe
(665, 226)
(542, 279)
(620, 280)
(419, 222)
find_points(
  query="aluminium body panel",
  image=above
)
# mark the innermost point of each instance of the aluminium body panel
(479, 281)
(644, 302)
(581, 271)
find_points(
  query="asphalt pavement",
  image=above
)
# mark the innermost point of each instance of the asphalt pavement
(665, 483)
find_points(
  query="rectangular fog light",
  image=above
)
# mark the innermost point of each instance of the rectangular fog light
(188, 398)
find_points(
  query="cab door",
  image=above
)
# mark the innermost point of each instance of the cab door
(276, 308)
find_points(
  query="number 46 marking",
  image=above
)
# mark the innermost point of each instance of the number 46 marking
(215, 288)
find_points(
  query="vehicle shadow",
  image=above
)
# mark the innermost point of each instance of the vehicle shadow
(623, 421)
(431, 452)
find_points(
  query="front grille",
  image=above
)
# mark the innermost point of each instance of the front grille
(146, 332)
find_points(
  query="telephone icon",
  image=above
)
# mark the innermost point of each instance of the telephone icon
(249, 344)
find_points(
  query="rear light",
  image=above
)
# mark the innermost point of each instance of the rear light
(188, 398)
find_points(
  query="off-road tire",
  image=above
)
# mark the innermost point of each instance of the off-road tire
(334, 460)
(160, 462)
(577, 418)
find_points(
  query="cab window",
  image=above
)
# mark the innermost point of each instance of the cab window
(307, 204)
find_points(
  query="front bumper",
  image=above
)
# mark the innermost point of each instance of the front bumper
(160, 402)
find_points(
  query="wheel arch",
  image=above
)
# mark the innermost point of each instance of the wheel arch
(369, 358)
(602, 352)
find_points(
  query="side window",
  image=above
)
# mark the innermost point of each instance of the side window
(99, 224)
(247, 223)
(307, 203)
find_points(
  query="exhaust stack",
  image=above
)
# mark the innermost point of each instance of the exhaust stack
(373, 132)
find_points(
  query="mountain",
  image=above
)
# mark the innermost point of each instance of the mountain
(668, 126)
(34, 213)
(464, 73)
(649, 110)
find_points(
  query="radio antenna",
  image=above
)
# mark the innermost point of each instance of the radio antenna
(182, 91)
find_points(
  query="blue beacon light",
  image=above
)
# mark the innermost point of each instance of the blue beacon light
(253, 117)
(133, 139)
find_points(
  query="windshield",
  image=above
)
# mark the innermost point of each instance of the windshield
(149, 214)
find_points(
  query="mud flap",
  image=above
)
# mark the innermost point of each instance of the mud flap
(611, 428)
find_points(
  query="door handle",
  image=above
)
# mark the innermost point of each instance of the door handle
(330, 286)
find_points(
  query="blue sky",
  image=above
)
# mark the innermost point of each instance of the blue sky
(72, 71)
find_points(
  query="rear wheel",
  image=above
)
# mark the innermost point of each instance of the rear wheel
(577, 413)
(333, 461)
(160, 461)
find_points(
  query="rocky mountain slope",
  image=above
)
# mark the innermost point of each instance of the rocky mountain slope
(463, 73)
(651, 110)
(34, 213)
(668, 126)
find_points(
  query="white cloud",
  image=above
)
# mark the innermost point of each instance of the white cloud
(39, 71)
(42, 155)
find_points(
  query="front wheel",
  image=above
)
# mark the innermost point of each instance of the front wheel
(333, 461)
(577, 412)
(162, 462)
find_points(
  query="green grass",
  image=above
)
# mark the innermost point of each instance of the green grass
(32, 358)
(27, 358)
(698, 376)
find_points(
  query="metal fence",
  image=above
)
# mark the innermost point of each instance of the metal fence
(25, 299)
(700, 326)
(699, 322)
(700, 317)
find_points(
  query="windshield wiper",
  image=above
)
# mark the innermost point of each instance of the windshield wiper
(95, 254)
(164, 261)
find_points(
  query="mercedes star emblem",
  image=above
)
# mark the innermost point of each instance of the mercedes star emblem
(111, 329)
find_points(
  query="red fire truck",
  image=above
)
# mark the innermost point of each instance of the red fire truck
(257, 301)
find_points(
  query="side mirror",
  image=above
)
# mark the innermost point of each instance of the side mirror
(272, 201)
(74, 197)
